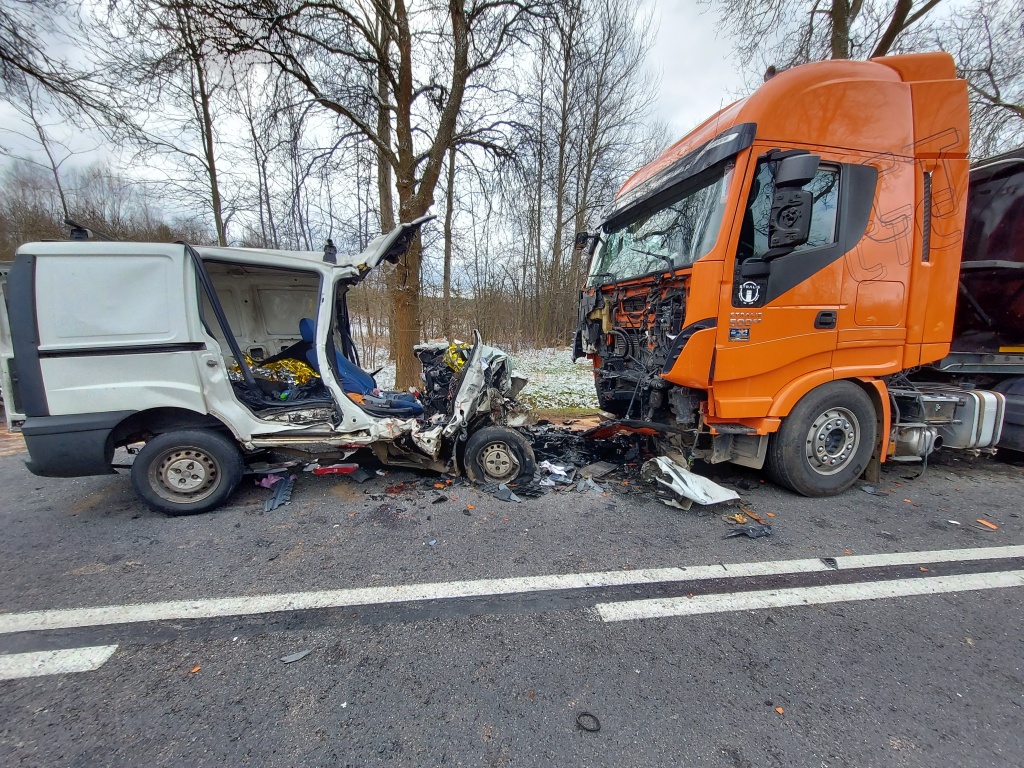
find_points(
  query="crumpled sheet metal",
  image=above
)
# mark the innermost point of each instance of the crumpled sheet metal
(683, 485)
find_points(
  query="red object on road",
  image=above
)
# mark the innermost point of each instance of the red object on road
(336, 469)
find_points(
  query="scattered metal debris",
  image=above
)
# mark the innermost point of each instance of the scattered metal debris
(282, 494)
(598, 469)
(679, 487)
(750, 531)
(295, 656)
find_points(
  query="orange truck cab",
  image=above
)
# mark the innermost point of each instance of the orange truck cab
(780, 287)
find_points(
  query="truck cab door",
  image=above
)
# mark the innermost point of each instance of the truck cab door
(780, 321)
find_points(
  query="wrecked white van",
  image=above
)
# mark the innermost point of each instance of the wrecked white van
(209, 356)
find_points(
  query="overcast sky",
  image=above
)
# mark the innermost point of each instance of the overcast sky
(698, 70)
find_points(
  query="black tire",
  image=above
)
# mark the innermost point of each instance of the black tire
(499, 455)
(207, 464)
(836, 423)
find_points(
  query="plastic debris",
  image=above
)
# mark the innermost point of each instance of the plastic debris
(680, 487)
(504, 493)
(282, 494)
(737, 518)
(873, 491)
(336, 469)
(753, 515)
(359, 476)
(987, 524)
(750, 531)
(587, 484)
(953, 522)
(295, 656)
(598, 469)
(588, 722)
(432, 542)
(269, 481)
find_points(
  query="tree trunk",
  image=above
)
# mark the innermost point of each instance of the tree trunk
(446, 307)
(840, 39)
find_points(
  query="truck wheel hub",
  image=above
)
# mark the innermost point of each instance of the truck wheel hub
(499, 462)
(185, 472)
(832, 441)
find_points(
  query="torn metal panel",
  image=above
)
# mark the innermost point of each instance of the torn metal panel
(682, 486)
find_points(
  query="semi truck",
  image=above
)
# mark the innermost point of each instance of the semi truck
(816, 280)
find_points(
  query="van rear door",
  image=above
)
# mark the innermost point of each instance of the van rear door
(12, 408)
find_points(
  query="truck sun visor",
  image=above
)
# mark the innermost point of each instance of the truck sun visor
(665, 183)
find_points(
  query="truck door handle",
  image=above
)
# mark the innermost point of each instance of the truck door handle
(826, 319)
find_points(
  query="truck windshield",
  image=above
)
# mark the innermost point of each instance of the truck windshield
(673, 235)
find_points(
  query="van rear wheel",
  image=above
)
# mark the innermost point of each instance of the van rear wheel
(825, 443)
(187, 472)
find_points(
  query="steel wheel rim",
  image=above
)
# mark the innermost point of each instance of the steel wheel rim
(832, 441)
(499, 461)
(184, 475)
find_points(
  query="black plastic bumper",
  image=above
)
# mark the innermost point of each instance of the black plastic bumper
(71, 446)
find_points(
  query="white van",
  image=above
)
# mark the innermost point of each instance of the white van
(211, 355)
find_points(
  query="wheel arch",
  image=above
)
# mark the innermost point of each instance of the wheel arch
(155, 421)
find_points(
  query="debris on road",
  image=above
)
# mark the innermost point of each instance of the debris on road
(585, 721)
(737, 518)
(598, 469)
(679, 487)
(268, 481)
(295, 656)
(987, 524)
(750, 531)
(873, 491)
(753, 515)
(282, 494)
(336, 469)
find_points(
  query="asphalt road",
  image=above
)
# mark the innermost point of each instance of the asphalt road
(495, 673)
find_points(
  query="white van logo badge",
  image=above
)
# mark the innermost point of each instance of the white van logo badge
(749, 292)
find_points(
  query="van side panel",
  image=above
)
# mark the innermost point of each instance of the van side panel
(114, 332)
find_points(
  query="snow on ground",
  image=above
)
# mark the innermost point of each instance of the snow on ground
(555, 380)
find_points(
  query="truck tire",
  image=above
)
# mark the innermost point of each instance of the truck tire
(825, 443)
(187, 472)
(498, 455)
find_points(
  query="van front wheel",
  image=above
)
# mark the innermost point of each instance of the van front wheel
(825, 443)
(187, 472)
(499, 455)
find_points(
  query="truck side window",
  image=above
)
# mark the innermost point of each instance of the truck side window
(754, 232)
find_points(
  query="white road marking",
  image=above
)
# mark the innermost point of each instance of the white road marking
(796, 596)
(38, 663)
(176, 610)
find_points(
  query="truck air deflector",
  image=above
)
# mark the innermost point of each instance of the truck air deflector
(21, 313)
(665, 184)
(857, 184)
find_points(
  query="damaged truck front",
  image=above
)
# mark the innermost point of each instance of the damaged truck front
(780, 287)
(210, 356)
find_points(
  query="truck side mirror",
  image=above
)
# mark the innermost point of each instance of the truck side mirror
(789, 224)
(582, 238)
(796, 170)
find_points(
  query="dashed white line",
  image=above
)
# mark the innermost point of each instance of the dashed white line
(176, 610)
(38, 663)
(797, 596)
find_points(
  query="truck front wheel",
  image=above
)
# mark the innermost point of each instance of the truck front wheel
(187, 472)
(825, 443)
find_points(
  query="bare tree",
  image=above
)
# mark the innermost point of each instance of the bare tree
(987, 41)
(163, 52)
(785, 33)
